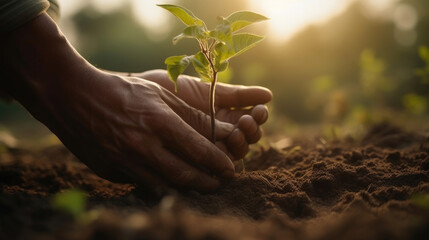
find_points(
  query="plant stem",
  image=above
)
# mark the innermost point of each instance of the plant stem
(212, 105)
(208, 56)
(244, 168)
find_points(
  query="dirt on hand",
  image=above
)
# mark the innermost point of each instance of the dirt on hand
(367, 190)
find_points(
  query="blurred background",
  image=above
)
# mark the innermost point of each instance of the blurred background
(334, 66)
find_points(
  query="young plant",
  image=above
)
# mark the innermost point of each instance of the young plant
(217, 47)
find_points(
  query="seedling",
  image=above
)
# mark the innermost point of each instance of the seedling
(74, 202)
(217, 47)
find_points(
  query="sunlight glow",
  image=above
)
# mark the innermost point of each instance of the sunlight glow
(287, 17)
(107, 6)
(380, 8)
(68, 8)
(152, 17)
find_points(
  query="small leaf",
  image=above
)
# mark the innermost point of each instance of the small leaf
(222, 32)
(173, 59)
(242, 19)
(240, 43)
(177, 38)
(221, 66)
(72, 201)
(176, 65)
(186, 16)
(201, 66)
(195, 32)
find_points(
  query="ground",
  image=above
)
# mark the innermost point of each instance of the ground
(374, 188)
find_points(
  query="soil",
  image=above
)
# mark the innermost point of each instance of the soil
(335, 190)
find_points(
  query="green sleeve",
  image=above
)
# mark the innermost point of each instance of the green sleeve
(14, 13)
(54, 10)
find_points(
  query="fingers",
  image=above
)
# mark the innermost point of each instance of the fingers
(260, 114)
(183, 138)
(181, 174)
(130, 170)
(139, 174)
(221, 145)
(174, 170)
(250, 128)
(228, 96)
(198, 120)
(231, 115)
(237, 144)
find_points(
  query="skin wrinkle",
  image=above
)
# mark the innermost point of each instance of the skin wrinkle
(202, 95)
(196, 118)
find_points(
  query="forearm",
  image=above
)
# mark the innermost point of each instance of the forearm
(38, 61)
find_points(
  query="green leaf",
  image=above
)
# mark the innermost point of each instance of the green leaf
(72, 201)
(201, 66)
(424, 53)
(240, 43)
(242, 19)
(186, 16)
(222, 32)
(221, 66)
(176, 65)
(179, 37)
(195, 32)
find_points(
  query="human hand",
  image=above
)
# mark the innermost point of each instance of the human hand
(145, 132)
(239, 105)
(125, 129)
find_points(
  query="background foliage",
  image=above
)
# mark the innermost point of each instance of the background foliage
(353, 70)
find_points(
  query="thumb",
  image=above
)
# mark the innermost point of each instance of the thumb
(228, 95)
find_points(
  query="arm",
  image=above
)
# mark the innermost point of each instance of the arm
(125, 129)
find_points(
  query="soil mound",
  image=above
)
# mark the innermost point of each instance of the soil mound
(376, 189)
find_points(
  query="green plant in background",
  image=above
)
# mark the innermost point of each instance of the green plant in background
(421, 200)
(413, 102)
(74, 202)
(217, 47)
(424, 72)
(373, 76)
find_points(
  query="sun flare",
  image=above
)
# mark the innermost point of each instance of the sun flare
(287, 17)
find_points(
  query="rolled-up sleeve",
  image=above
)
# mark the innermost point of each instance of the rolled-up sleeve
(14, 13)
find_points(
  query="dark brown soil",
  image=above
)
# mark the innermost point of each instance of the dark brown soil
(336, 190)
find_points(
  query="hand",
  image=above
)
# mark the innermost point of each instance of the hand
(239, 105)
(138, 128)
(125, 129)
